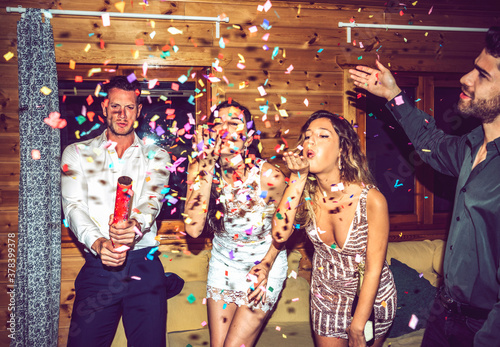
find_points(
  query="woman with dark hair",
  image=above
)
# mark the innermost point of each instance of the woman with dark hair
(233, 195)
(331, 196)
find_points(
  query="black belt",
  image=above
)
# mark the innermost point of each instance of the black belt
(462, 309)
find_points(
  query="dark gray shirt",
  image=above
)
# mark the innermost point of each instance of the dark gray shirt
(471, 263)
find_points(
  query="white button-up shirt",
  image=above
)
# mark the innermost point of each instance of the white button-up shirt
(90, 172)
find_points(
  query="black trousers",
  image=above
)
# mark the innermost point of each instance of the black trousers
(449, 329)
(104, 294)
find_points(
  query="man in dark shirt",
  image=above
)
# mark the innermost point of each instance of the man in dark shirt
(467, 309)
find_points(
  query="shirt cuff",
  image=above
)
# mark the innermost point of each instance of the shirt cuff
(90, 240)
(143, 221)
(400, 106)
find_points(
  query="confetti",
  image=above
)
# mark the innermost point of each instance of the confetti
(151, 253)
(106, 20)
(131, 78)
(54, 121)
(174, 31)
(191, 298)
(120, 6)
(413, 322)
(8, 56)
(137, 278)
(399, 100)
(35, 154)
(45, 90)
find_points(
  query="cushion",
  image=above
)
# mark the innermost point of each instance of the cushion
(288, 308)
(184, 313)
(418, 255)
(189, 266)
(415, 297)
(289, 334)
(294, 258)
(437, 261)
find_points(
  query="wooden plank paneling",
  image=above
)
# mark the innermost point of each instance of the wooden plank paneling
(300, 29)
(9, 144)
(9, 173)
(8, 197)
(8, 221)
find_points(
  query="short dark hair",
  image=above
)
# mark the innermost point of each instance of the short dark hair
(121, 82)
(493, 42)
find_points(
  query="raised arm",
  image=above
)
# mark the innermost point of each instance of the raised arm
(274, 183)
(199, 180)
(287, 208)
(378, 82)
(443, 152)
(378, 237)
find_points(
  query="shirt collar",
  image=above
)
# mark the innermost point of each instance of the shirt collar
(103, 139)
(476, 138)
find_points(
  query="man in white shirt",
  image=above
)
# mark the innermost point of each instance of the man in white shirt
(116, 281)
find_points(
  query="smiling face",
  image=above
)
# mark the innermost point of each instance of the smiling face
(231, 125)
(121, 111)
(480, 95)
(321, 146)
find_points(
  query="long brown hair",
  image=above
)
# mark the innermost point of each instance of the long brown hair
(354, 164)
(213, 223)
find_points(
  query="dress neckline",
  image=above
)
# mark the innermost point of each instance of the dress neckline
(349, 232)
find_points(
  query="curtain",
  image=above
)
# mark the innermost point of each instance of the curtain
(38, 266)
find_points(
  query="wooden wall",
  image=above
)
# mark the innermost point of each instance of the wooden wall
(305, 34)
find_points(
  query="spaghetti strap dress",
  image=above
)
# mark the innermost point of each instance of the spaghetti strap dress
(334, 280)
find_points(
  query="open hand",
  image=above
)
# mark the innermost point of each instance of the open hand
(207, 144)
(259, 273)
(378, 82)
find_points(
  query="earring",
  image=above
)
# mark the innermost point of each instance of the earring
(340, 165)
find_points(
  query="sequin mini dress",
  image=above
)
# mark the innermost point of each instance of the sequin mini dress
(243, 244)
(334, 280)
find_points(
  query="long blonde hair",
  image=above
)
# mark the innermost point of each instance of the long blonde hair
(354, 164)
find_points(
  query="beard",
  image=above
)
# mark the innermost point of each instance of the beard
(111, 128)
(484, 110)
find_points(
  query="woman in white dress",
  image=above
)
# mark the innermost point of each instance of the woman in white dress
(233, 195)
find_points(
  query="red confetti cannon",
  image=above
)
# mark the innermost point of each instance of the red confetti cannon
(123, 200)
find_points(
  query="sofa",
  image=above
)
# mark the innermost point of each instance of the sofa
(417, 267)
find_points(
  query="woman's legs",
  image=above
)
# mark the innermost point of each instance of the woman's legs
(219, 320)
(323, 341)
(233, 326)
(245, 327)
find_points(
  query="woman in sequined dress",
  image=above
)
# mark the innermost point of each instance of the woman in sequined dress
(332, 196)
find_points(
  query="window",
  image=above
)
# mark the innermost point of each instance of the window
(166, 111)
(420, 199)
